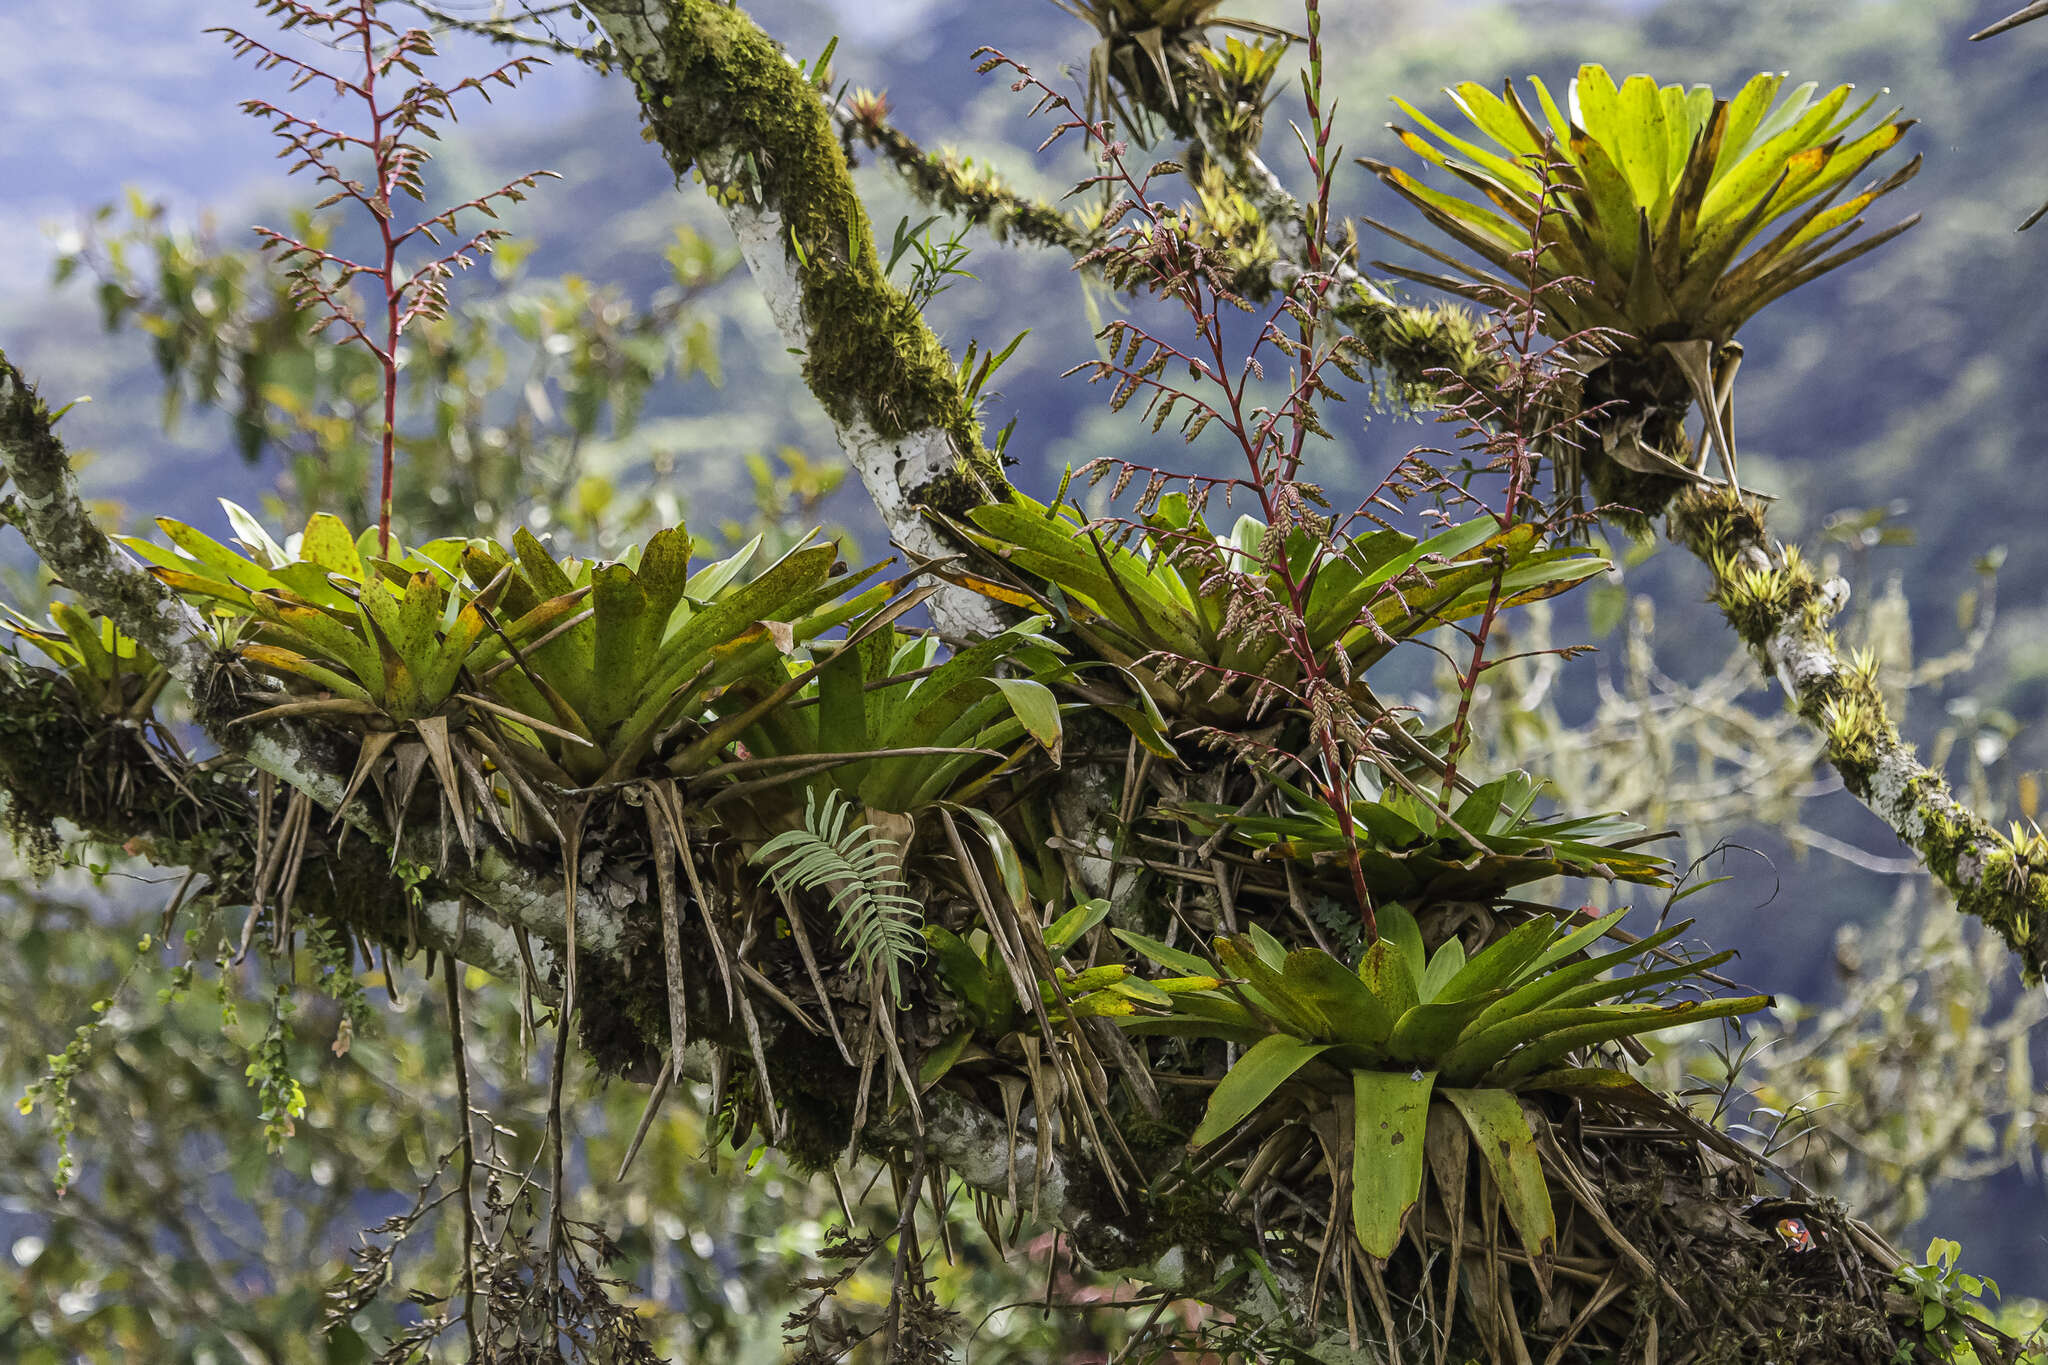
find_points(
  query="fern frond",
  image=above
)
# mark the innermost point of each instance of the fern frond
(880, 925)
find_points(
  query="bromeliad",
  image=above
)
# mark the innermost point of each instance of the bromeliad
(1638, 202)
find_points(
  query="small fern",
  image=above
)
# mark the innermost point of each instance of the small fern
(880, 926)
(1340, 923)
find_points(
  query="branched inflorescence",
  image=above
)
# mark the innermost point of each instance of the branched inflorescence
(399, 126)
(1269, 581)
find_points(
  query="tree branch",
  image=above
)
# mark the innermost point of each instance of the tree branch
(724, 102)
(1780, 607)
(208, 822)
(58, 762)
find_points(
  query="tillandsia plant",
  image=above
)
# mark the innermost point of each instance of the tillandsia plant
(1156, 600)
(889, 720)
(975, 971)
(390, 649)
(401, 121)
(1678, 213)
(382, 638)
(652, 646)
(1149, 52)
(230, 334)
(1258, 588)
(574, 673)
(1407, 1025)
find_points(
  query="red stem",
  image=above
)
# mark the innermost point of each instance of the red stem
(1518, 472)
(387, 357)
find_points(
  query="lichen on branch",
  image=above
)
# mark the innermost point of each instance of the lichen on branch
(1781, 608)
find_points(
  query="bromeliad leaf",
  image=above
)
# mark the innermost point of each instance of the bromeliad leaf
(1269, 1064)
(1390, 1117)
(1502, 1134)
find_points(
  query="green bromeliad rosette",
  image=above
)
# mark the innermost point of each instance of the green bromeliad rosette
(1661, 219)
(516, 676)
(1394, 1057)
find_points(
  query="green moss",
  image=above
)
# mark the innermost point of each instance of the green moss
(1411, 344)
(1758, 598)
(1994, 878)
(816, 1089)
(1191, 1219)
(869, 356)
(621, 1018)
(977, 195)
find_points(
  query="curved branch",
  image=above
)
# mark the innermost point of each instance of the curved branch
(1781, 608)
(204, 820)
(1409, 343)
(723, 102)
(942, 181)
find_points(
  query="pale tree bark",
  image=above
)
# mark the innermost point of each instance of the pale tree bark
(724, 104)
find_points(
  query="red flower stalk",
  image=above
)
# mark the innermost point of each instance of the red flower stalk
(401, 118)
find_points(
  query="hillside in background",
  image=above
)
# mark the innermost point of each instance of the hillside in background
(1912, 377)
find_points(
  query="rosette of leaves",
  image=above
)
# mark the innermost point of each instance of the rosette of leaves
(1414, 851)
(1405, 1030)
(386, 647)
(113, 674)
(1165, 600)
(1680, 214)
(382, 638)
(887, 721)
(1151, 50)
(1239, 79)
(640, 665)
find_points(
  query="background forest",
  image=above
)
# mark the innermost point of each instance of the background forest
(1892, 406)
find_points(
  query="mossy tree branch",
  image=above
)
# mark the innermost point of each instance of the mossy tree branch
(945, 182)
(60, 762)
(1781, 608)
(207, 822)
(1411, 344)
(722, 101)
